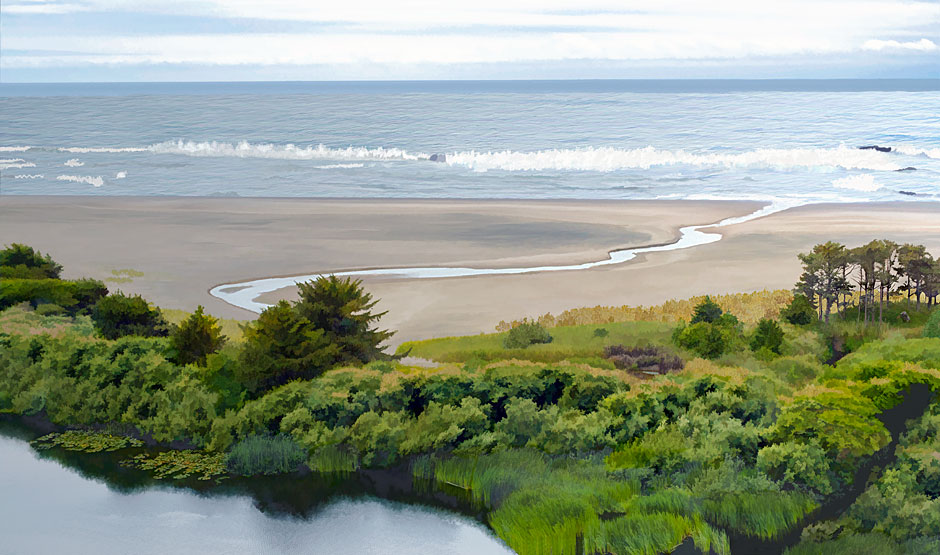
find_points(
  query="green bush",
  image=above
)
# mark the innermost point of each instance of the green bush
(800, 311)
(768, 335)
(932, 328)
(706, 311)
(118, 315)
(707, 340)
(73, 296)
(23, 262)
(265, 455)
(196, 338)
(525, 334)
(281, 346)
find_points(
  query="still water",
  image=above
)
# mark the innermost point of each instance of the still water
(50, 507)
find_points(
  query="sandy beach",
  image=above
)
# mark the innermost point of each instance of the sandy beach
(185, 246)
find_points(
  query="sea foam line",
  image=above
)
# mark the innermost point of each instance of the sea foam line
(243, 294)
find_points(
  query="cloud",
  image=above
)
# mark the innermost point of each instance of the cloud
(922, 45)
(373, 33)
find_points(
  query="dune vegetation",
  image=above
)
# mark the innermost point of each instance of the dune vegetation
(717, 423)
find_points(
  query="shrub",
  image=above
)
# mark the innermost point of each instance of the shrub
(646, 359)
(343, 311)
(708, 340)
(196, 338)
(932, 329)
(23, 262)
(280, 346)
(264, 455)
(601, 332)
(769, 336)
(706, 311)
(800, 311)
(74, 296)
(118, 315)
(525, 334)
(803, 464)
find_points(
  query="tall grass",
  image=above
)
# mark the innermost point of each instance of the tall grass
(264, 455)
(764, 515)
(568, 343)
(333, 459)
(748, 307)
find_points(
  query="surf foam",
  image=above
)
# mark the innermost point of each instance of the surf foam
(73, 163)
(15, 163)
(864, 182)
(96, 181)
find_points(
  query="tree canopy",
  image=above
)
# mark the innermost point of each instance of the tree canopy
(24, 262)
(118, 315)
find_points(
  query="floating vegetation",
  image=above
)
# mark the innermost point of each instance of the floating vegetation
(179, 465)
(85, 442)
(126, 275)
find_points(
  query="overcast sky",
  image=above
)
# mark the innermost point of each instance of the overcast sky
(242, 40)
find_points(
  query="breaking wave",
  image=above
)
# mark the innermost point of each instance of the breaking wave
(611, 159)
(14, 148)
(107, 150)
(97, 181)
(73, 163)
(914, 151)
(15, 163)
(245, 149)
(29, 176)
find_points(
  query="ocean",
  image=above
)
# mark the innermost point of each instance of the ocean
(790, 142)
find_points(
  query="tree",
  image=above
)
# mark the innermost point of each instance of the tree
(24, 262)
(343, 311)
(525, 334)
(117, 315)
(196, 338)
(914, 264)
(800, 311)
(281, 345)
(823, 275)
(706, 311)
(932, 328)
(768, 335)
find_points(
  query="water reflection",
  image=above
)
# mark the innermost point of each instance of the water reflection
(48, 505)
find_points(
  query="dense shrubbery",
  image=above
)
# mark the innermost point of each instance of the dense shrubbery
(800, 311)
(571, 453)
(118, 315)
(525, 334)
(932, 329)
(195, 338)
(23, 262)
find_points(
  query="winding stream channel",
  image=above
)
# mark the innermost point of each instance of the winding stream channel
(244, 294)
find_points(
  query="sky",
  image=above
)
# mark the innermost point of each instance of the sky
(314, 40)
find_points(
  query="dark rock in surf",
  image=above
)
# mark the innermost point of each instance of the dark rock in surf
(438, 158)
(876, 147)
(908, 193)
(907, 169)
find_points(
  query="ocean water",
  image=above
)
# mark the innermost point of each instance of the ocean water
(789, 141)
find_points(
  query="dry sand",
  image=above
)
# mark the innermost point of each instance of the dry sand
(184, 246)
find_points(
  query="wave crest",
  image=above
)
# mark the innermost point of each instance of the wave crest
(612, 159)
(15, 163)
(245, 149)
(96, 181)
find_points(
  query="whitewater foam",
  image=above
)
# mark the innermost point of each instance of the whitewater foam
(96, 181)
(14, 148)
(245, 149)
(606, 159)
(73, 163)
(243, 294)
(15, 163)
(914, 151)
(120, 175)
(106, 150)
(339, 166)
(864, 182)
(29, 176)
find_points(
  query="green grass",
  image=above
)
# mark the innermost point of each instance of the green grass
(569, 342)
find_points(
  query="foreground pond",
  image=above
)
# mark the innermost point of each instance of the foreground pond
(47, 506)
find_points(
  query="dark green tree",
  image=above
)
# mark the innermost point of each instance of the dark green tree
(24, 262)
(343, 311)
(196, 338)
(281, 345)
(525, 334)
(768, 335)
(706, 311)
(118, 315)
(800, 311)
